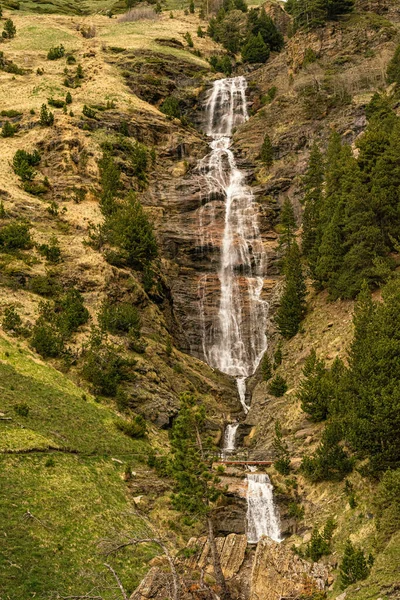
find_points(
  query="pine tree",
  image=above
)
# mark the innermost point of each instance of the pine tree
(293, 306)
(110, 183)
(259, 22)
(354, 566)
(255, 50)
(46, 117)
(68, 98)
(266, 367)
(196, 485)
(393, 69)
(287, 224)
(9, 30)
(267, 151)
(191, 6)
(312, 186)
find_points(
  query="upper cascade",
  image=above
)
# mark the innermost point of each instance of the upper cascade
(233, 338)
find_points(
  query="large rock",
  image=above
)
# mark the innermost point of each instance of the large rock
(278, 572)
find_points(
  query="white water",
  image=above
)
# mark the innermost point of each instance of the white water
(230, 438)
(233, 338)
(262, 516)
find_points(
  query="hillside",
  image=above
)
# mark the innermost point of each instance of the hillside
(110, 253)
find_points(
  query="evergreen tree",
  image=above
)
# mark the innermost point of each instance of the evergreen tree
(312, 186)
(293, 306)
(255, 50)
(9, 30)
(266, 368)
(196, 485)
(267, 151)
(315, 390)
(329, 462)
(259, 22)
(110, 183)
(354, 566)
(393, 69)
(287, 224)
(46, 117)
(191, 6)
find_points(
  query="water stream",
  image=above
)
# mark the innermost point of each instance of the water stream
(233, 333)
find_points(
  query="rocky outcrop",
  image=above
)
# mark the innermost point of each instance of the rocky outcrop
(277, 572)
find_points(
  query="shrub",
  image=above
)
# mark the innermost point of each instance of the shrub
(56, 52)
(119, 318)
(282, 463)
(135, 429)
(15, 236)
(8, 130)
(320, 543)
(22, 409)
(191, 6)
(170, 107)
(387, 502)
(11, 320)
(103, 367)
(11, 114)
(200, 32)
(295, 511)
(70, 312)
(354, 566)
(266, 368)
(189, 39)
(46, 340)
(51, 251)
(89, 112)
(23, 163)
(71, 60)
(9, 30)
(56, 103)
(278, 356)
(393, 69)
(278, 386)
(221, 64)
(46, 117)
(269, 96)
(45, 285)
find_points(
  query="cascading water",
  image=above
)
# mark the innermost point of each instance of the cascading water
(234, 338)
(262, 517)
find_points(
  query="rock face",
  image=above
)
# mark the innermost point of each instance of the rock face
(278, 572)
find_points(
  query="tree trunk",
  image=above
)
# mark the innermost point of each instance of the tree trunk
(219, 576)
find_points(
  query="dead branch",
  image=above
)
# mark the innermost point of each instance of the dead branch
(117, 579)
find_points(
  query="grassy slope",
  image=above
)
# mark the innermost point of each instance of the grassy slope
(75, 498)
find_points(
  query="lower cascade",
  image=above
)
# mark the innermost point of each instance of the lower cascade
(230, 438)
(262, 515)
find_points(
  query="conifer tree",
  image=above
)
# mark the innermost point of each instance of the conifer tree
(191, 6)
(354, 566)
(312, 186)
(266, 367)
(196, 485)
(110, 183)
(287, 224)
(255, 50)
(293, 307)
(46, 117)
(9, 30)
(393, 69)
(267, 151)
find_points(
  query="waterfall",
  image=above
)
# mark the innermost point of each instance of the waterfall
(230, 438)
(233, 336)
(262, 517)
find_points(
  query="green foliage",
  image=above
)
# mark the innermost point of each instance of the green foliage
(258, 22)
(69, 312)
(110, 183)
(354, 566)
(310, 14)
(11, 320)
(266, 368)
(23, 163)
(8, 130)
(68, 98)
(312, 187)
(120, 318)
(295, 511)
(310, 57)
(129, 230)
(319, 391)
(190, 465)
(135, 429)
(282, 461)
(287, 224)
(45, 285)
(277, 386)
(55, 103)
(46, 117)
(102, 366)
(255, 50)
(46, 339)
(170, 107)
(10, 30)
(387, 502)
(221, 64)
(56, 52)
(51, 251)
(22, 409)
(293, 306)
(269, 96)
(189, 39)
(320, 543)
(267, 151)
(393, 69)
(200, 32)
(89, 112)
(330, 461)
(278, 355)
(15, 236)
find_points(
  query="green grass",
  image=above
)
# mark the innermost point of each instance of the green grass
(68, 7)
(75, 499)
(36, 37)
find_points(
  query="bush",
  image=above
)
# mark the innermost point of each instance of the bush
(23, 163)
(46, 117)
(68, 98)
(120, 318)
(393, 69)
(56, 52)
(387, 502)
(9, 130)
(282, 463)
(89, 112)
(70, 312)
(354, 566)
(320, 543)
(189, 39)
(22, 409)
(266, 368)
(278, 386)
(15, 236)
(51, 251)
(56, 103)
(295, 511)
(45, 285)
(46, 340)
(11, 320)
(9, 30)
(103, 367)
(221, 64)
(170, 107)
(135, 429)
